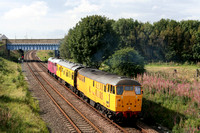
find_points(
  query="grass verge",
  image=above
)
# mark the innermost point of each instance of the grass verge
(45, 54)
(19, 111)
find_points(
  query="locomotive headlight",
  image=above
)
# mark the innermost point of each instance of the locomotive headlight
(137, 90)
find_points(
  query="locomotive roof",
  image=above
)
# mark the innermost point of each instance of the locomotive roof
(54, 60)
(69, 65)
(107, 78)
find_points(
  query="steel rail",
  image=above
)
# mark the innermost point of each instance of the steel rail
(116, 125)
(68, 118)
(70, 104)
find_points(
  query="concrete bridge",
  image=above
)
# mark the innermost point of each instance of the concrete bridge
(32, 44)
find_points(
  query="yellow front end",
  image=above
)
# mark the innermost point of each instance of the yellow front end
(129, 100)
(123, 98)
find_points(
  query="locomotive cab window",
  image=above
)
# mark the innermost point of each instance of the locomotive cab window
(128, 88)
(137, 90)
(120, 90)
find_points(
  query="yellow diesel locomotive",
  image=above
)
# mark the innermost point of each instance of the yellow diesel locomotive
(115, 96)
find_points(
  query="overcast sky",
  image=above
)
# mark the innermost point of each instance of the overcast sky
(53, 18)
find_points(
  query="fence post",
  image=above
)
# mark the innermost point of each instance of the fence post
(198, 73)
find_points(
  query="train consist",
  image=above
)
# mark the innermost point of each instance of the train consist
(115, 96)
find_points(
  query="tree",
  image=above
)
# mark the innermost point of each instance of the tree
(127, 29)
(92, 40)
(196, 52)
(126, 62)
(64, 50)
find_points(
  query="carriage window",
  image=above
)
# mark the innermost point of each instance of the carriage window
(72, 76)
(93, 83)
(128, 88)
(84, 79)
(113, 89)
(108, 88)
(119, 90)
(104, 88)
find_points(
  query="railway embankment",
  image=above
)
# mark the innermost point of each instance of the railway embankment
(19, 111)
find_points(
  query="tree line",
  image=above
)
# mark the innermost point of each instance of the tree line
(96, 39)
(165, 40)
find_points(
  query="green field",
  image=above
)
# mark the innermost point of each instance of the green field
(172, 98)
(19, 111)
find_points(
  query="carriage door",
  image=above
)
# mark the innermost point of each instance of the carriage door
(61, 70)
(108, 95)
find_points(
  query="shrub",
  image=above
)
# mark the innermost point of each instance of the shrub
(126, 62)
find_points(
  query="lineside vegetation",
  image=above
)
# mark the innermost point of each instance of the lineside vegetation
(19, 111)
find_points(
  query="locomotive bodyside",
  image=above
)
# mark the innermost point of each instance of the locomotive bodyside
(120, 96)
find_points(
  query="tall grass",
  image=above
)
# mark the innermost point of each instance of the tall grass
(175, 103)
(171, 87)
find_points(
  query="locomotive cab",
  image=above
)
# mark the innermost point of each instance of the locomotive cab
(128, 100)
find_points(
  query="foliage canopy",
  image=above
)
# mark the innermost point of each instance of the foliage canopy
(126, 62)
(91, 41)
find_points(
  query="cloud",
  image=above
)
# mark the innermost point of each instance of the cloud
(72, 3)
(84, 6)
(78, 10)
(34, 11)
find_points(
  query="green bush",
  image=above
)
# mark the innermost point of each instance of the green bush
(126, 62)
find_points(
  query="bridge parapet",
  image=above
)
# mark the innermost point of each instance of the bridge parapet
(32, 41)
(32, 44)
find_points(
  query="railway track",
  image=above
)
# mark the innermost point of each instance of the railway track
(81, 124)
(140, 126)
(76, 121)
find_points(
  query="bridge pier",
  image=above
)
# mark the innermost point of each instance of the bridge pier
(57, 53)
(8, 53)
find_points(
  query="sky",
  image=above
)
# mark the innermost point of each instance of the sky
(40, 19)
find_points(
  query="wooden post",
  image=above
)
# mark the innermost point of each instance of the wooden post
(198, 73)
